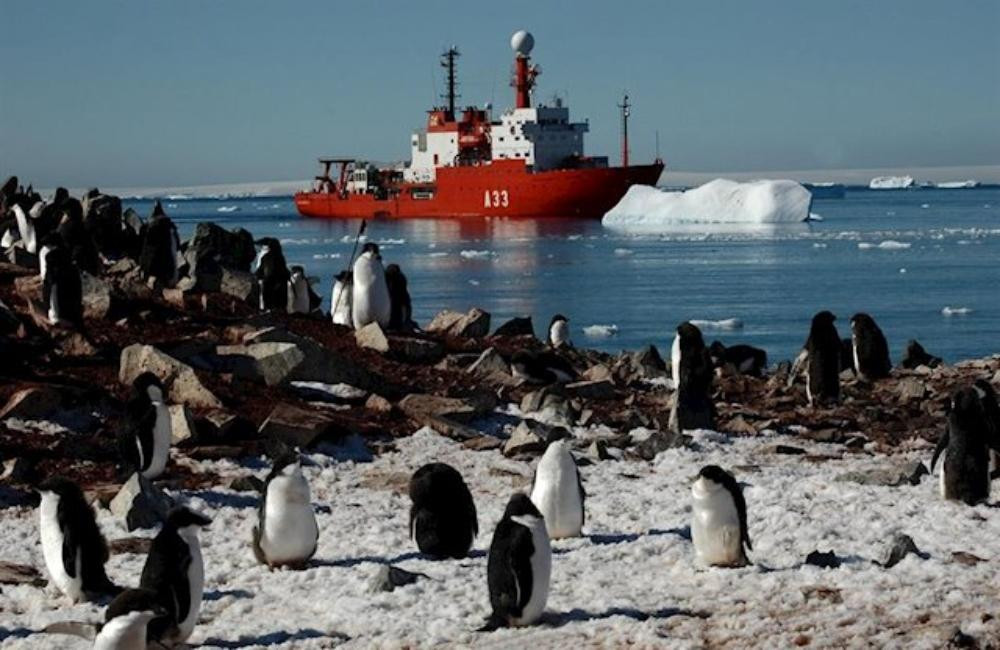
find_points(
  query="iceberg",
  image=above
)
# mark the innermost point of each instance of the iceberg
(891, 183)
(724, 324)
(648, 209)
(600, 331)
(958, 185)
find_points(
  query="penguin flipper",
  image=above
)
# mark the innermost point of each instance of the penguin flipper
(583, 497)
(942, 444)
(797, 366)
(70, 545)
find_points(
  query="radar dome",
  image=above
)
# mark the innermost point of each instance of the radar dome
(522, 42)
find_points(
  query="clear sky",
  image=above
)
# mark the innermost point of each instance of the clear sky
(195, 92)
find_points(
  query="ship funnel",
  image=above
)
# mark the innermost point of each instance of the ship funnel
(522, 42)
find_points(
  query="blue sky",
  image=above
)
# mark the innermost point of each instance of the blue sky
(184, 92)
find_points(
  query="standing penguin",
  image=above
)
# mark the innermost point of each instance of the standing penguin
(559, 331)
(965, 470)
(519, 565)
(126, 620)
(144, 441)
(175, 571)
(301, 297)
(821, 356)
(401, 312)
(558, 492)
(871, 352)
(77, 238)
(272, 275)
(746, 359)
(160, 243)
(691, 365)
(340, 298)
(26, 229)
(719, 519)
(62, 286)
(443, 515)
(370, 301)
(286, 533)
(72, 544)
(991, 409)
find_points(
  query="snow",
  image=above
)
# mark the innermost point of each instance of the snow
(600, 331)
(647, 209)
(956, 311)
(630, 581)
(724, 324)
(891, 183)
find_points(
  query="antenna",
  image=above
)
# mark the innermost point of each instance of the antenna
(657, 144)
(448, 62)
(625, 106)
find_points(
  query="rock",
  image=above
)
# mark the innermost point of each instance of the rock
(602, 389)
(219, 452)
(239, 284)
(598, 450)
(9, 321)
(518, 326)
(827, 560)
(911, 389)
(388, 577)
(902, 474)
(413, 349)
(902, 545)
(131, 545)
(270, 363)
(247, 484)
(600, 372)
(32, 403)
(221, 425)
(642, 364)
(529, 437)
(473, 324)
(489, 362)
(182, 428)
(417, 406)
(648, 442)
(740, 426)
(140, 503)
(378, 404)
(183, 385)
(29, 287)
(333, 393)
(372, 337)
(968, 559)
(960, 639)
(483, 443)
(230, 249)
(549, 404)
(76, 345)
(320, 363)
(96, 296)
(20, 574)
(298, 427)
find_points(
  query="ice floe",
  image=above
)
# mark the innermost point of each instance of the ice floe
(600, 331)
(724, 324)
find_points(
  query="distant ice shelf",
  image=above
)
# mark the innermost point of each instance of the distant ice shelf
(958, 185)
(891, 183)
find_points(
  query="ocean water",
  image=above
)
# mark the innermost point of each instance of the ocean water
(902, 256)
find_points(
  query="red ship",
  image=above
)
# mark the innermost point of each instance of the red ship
(530, 163)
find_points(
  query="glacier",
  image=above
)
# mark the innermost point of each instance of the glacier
(648, 209)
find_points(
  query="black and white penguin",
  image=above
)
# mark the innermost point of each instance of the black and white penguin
(62, 285)
(916, 356)
(821, 359)
(557, 491)
(401, 312)
(991, 409)
(519, 565)
(175, 571)
(443, 515)
(340, 298)
(272, 275)
(559, 332)
(74, 548)
(370, 302)
(160, 243)
(144, 441)
(965, 469)
(126, 620)
(746, 359)
(543, 367)
(301, 297)
(286, 533)
(77, 238)
(719, 519)
(871, 352)
(27, 234)
(693, 372)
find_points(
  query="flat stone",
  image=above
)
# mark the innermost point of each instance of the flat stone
(221, 425)
(20, 574)
(490, 361)
(649, 443)
(910, 389)
(239, 284)
(483, 443)
(271, 363)
(320, 363)
(600, 372)
(517, 326)
(32, 403)
(183, 385)
(96, 296)
(298, 427)
(413, 349)
(419, 405)
(182, 427)
(333, 393)
(527, 438)
(473, 324)
(372, 337)
(902, 474)
(140, 503)
(246, 484)
(601, 389)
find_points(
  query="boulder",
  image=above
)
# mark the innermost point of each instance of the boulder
(372, 337)
(32, 403)
(233, 249)
(529, 437)
(96, 296)
(140, 503)
(180, 380)
(473, 324)
(239, 284)
(602, 389)
(910, 389)
(551, 405)
(219, 425)
(650, 442)
(418, 406)
(378, 404)
(600, 372)
(413, 349)
(388, 577)
(298, 427)
(639, 365)
(270, 363)
(319, 363)
(182, 427)
(489, 362)
(518, 326)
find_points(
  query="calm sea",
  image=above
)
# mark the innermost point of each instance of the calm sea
(902, 256)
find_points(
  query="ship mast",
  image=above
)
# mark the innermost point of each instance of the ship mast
(448, 62)
(625, 106)
(524, 73)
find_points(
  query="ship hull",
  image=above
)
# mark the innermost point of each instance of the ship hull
(500, 189)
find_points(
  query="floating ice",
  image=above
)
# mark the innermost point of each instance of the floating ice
(228, 208)
(724, 324)
(887, 245)
(819, 244)
(600, 331)
(925, 205)
(958, 185)
(814, 217)
(891, 183)
(956, 311)
(391, 242)
(438, 254)
(622, 252)
(474, 254)
(647, 209)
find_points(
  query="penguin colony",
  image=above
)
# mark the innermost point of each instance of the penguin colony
(70, 237)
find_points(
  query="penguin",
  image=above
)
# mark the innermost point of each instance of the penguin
(916, 356)
(991, 409)
(443, 515)
(693, 373)
(272, 275)
(519, 565)
(175, 572)
(719, 519)
(74, 548)
(821, 358)
(965, 470)
(557, 491)
(286, 533)
(559, 332)
(9, 238)
(370, 301)
(160, 243)
(747, 359)
(126, 620)
(301, 297)
(871, 352)
(541, 367)
(847, 356)
(26, 229)
(144, 441)
(340, 298)
(401, 312)
(62, 285)
(77, 239)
